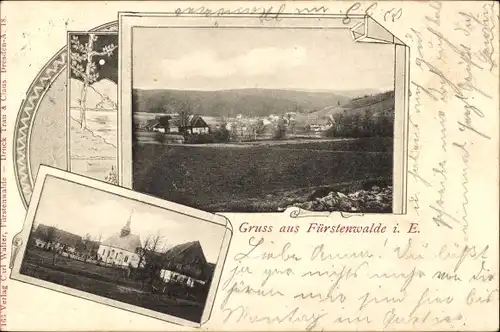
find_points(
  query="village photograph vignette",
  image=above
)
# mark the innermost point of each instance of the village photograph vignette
(121, 249)
(276, 118)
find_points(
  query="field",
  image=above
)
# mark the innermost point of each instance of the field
(260, 176)
(104, 281)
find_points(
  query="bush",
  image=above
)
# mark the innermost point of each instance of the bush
(331, 132)
(168, 138)
(280, 132)
(199, 139)
(112, 176)
(222, 136)
(160, 138)
(361, 126)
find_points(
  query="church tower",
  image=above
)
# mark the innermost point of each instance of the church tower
(126, 229)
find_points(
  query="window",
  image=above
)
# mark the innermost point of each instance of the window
(116, 255)
(126, 259)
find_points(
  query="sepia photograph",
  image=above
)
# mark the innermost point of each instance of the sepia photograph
(276, 118)
(123, 249)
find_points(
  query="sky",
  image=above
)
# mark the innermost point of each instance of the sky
(106, 66)
(216, 59)
(82, 210)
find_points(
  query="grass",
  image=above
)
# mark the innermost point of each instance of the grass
(104, 281)
(261, 178)
(68, 265)
(363, 145)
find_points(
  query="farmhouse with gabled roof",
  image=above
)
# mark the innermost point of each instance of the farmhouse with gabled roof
(175, 124)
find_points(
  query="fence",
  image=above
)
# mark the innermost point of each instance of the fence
(84, 259)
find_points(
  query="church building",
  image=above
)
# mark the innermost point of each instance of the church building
(121, 248)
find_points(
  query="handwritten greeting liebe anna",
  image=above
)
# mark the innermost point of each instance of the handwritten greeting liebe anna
(319, 285)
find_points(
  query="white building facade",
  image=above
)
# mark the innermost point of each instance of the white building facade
(121, 249)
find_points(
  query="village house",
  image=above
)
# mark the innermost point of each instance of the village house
(52, 238)
(158, 127)
(121, 248)
(266, 122)
(320, 124)
(184, 264)
(170, 276)
(175, 124)
(315, 127)
(273, 117)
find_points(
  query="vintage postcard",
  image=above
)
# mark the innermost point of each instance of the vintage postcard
(121, 248)
(249, 165)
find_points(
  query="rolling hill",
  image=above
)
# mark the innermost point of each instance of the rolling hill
(378, 105)
(100, 95)
(248, 102)
(375, 103)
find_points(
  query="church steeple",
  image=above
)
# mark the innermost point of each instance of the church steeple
(126, 228)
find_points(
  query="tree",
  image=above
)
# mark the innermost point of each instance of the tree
(292, 125)
(280, 132)
(83, 66)
(367, 123)
(151, 258)
(151, 243)
(155, 242)
(184, 118)
(164, 121)
(98, 241)
(357, 125)
(142, 251)
(88, 245)
(222, 135)
(233, 135)
(385, 125)
(49, 236)
(258, 128)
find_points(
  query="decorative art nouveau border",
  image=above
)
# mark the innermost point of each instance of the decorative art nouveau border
(29, 107)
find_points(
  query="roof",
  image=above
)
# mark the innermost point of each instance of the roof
(186, 258)
(128, 242)
(57, 235)
(194, 121)
(187, 252)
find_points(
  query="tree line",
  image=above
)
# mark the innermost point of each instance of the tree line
(362, 125)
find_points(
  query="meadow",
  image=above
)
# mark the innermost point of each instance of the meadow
(263, 177)
(104, 281)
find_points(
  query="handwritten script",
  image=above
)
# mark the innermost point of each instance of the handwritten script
(278, 11)
(318, 285)
(449, 57)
